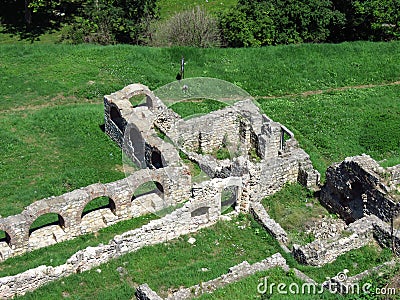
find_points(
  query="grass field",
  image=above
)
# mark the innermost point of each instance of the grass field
(170, 7)
(51, 104)
(52, 142)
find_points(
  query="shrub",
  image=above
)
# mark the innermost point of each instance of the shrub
(271, 22)
(194, 28)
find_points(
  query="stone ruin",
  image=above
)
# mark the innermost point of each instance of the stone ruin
(280, 159)
(361, 192)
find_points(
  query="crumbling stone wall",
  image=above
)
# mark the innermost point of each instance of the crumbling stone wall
(358, 186)
(243, 124)
(180, 222)
(323, 251)
(176, 188)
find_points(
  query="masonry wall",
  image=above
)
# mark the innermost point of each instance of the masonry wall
(175, 181)
(190, 218)
(358, 186)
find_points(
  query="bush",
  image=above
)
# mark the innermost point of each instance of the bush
(109, 22)
(194, 28)
(271, 22)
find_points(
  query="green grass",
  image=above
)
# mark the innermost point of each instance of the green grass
(288, 208)
(169, 265)
(356, 261)
(51, 151)
(57, 254)
(196, 107)
(51, 142)
(169, 7)
(59, 74)
(335, 125)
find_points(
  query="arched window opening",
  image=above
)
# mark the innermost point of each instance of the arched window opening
(98, 204)
(4, 237)
(46, 220)
(229, 197)
(116, 118)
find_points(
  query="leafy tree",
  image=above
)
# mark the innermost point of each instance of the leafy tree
(249, 24)
(367, 20)
(270, 22)
(112, 21)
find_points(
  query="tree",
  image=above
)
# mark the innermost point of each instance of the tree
(271, 22)
(377, 20)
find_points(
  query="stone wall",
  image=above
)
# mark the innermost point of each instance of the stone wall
(354, 235)
(201, 211)
(175, 182)
(358, 186)
(235, 273)
(273, 228)
(323, 251)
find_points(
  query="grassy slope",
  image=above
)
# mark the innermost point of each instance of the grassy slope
(71, 80)
(170, 7)
(48, 92)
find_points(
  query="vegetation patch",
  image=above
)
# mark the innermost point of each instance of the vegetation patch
(294, 208)
(57, 254)
(335, 125)
(168, 266)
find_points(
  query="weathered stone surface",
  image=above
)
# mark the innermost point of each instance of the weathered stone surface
(144, 292)
(176, 185)
(359, 186)
(274, 228)
(180, 222)
(323, 251)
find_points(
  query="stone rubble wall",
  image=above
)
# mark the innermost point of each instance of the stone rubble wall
(350, 285)
(236, 273)
(274, 228)
(323, 251)
(395, 175)
(358, 186)
(180, 222)
(383, 234)
(175, 181)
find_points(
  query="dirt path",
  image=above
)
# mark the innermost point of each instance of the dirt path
(50, 103)
(317, 92)
(56, 101)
